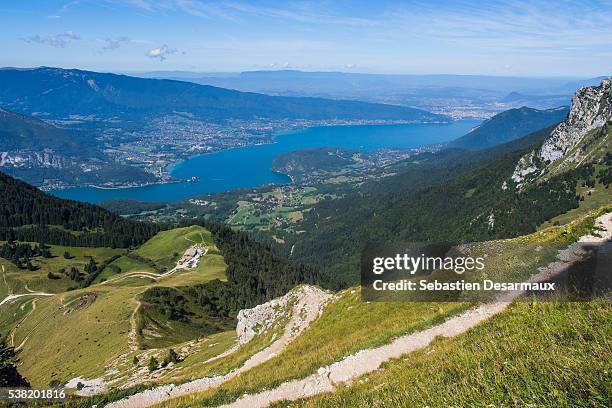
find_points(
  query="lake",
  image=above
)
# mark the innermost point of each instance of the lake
(250, 166)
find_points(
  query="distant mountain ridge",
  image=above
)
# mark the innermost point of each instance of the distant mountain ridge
(59, 92)
(510, 125)
(40, 153)
(329, 78)
(460, 96)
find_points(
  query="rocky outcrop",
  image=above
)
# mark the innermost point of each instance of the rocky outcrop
(295, 311)
(301, 305)
(591, 110)
(34, 159)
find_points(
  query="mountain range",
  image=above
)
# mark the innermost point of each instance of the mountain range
(56, 125)
(472, 94)
(505, 190)
(305, 81)
(61, 93)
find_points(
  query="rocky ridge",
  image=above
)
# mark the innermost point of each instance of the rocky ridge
(35, 159)
(296, 311)
(304, 302)
(591, 110)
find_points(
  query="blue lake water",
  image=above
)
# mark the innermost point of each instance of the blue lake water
(250, 166)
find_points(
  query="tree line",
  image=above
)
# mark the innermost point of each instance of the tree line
(28, 214)
(21, 254)
(255, 274)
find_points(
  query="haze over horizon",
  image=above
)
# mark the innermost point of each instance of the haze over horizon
(502, 38)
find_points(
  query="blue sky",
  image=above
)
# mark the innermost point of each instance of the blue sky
(524, 38)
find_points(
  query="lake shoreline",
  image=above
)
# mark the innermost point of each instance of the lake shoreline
(250, 166)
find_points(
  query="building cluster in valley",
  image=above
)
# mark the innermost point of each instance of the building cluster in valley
(167, 140)
(191, 257)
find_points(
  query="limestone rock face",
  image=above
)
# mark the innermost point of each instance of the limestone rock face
(34, 159)
(302, 305)
(591, 110)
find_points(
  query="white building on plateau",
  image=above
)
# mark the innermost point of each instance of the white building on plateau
(192, 256)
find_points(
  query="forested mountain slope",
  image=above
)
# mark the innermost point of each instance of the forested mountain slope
(65, 264)
(39, 153)
(28, 214)
(60, 93)
(509, 125)
(21, 132)
(458, 196)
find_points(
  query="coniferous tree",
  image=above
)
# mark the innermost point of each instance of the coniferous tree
(9, 376)
(153, 364)
(24, 205)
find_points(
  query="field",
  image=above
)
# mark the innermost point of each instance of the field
(279, 209)
(102, 319)
(38, 280)
(167, 246)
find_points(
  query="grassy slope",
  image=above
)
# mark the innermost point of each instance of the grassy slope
(598, 197)
(543, 354)
(345, 327)
(533, 354)
(98, 334)
(350, 324)
(38, 280)
(99, 328)
(162, 248)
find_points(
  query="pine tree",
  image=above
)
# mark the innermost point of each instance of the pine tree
(153, 364)
(9, 376)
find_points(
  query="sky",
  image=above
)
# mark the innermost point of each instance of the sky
(517, 38)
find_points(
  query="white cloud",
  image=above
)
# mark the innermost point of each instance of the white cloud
(112, 43)
(57, 41)
(160, 53)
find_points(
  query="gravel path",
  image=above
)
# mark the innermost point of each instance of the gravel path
(365, 361)
(150, 275)
(10, 298)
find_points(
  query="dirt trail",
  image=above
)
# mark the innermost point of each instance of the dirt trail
(309, 304)
(151, 275)
(133, 333)
(10, 298)
(365, 361)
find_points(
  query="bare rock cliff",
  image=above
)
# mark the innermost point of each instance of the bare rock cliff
(570, 143)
